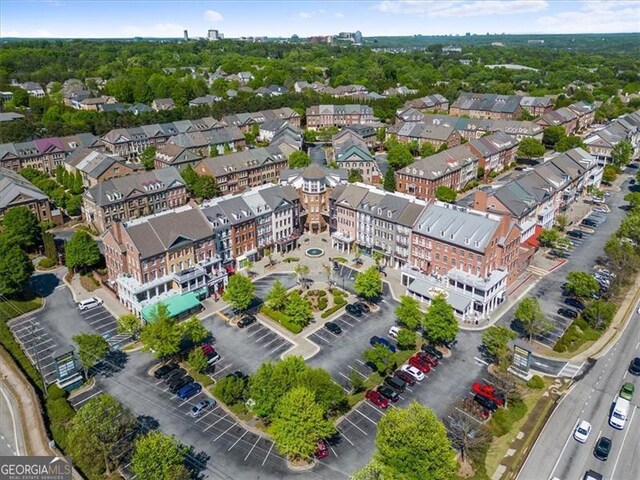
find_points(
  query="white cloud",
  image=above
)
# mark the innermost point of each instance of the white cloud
(594, 17)
(461, 8)
(213, 16)
(37, 33)
(305, 15)
(157, 30)
(339, 15)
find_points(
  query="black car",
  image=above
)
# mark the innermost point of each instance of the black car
(589, 223)
(165, 370)
(603, 447)
(388, 393)
(575, 233)
(396, 383)
(567, 313)
(179, 383)
(634, 366)
(405, 377)
(354, 310)
(432, 351)
(333, 327)
(246, 321)
(486, 403)
(363, 306)
(572, 302)
(178, 372)
(336, 266)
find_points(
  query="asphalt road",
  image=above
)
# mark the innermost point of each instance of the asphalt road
(11, 436)
(557, 455)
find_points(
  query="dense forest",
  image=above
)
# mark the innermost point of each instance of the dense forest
(135, 72)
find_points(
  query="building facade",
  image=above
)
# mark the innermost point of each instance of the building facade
(319, 116)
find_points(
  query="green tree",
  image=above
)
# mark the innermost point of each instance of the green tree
(582, 284)
(81, 252)
(633, 198)
(92, 348)
(327, 393)
(49, 244)
(299, 423)
(272, 381)
(299, 160)
(496, 341)
(356, 380)
(413, 444)
(230, 390)
(147, 156)
(389, 181)
(15, 268)
(622, 256)
(380, 357)
(373, 470)
(630, 227)
(298, 309)
(20, 227)
(398, 155)
(552, 135)
(239, 292)
(621, 154)
(567, 143)
(301, 271)
(73, 205)
(197, 360)
(446, 194)
(610, 174)
(408, 312)
(157, 455)
(99, 426)
(599, 314)
(439, 322)
(355, 175)
(129, 324)
(194, 330)
(562, 221)
(205, 187)
(277, 297)
(549, 237)
(530, 315)
(427, 149)
(368, 284)
(161, 335)
(406, 339)
(530, 148)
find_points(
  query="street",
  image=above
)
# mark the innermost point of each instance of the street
(11, 438)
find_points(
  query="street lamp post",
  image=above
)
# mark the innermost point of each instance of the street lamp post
(33, 338)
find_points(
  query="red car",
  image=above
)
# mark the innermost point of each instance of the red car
(376, 398)
(427, 357)
(207, 348)
(487, 391)
(420, 364)
(322, 450)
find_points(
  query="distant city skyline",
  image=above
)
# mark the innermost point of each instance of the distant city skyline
(238, 18)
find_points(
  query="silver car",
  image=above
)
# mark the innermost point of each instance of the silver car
(200, 407)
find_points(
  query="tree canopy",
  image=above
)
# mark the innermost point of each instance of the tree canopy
(408, 312)
(368, 284)
(239, 292)
(157, 455)
(446, 194)
(439, 322)
(530, 148)
(15, 268)
(92, 348)
(81, 252)
(533, 320)
(582, 284)
(299, 160)
(277, 297)
(20, 227)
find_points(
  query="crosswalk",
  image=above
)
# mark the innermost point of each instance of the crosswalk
(570, 370)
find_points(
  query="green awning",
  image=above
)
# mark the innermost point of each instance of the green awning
(176, 305)
(201, 292)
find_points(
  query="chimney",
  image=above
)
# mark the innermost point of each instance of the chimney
(480, 200)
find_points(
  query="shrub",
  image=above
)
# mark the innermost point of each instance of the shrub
(322, 293)
(322, 303)
(230, 390)
(281, 318)
(291, 259)
(504, 418)
(47, 263)
(60, 414)
(339, 259)
(536, 382)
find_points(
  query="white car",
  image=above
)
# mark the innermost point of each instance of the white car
(582, 431)
(393, 331)
(413, 371)
(89, 303)
(600, 210)
(199, 408)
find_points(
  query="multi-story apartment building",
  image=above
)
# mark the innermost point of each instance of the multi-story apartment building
(436, 135)
(319, 116)
(218, 140)
(17, 191)
(536, 106)
(586, 114)
(430, 103)
(453, 168)
(563, 117)
(487, 105)
(96, 167)
(351, 152)
(171, 155)
(163, 257)
(602, 142)
(496, 151)
(242, 170)
(314, 185)
(246, 121)
(133, 196)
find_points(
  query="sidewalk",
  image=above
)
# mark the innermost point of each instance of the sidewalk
(110, 301)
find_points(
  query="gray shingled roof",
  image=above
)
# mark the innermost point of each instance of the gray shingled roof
(13, 185)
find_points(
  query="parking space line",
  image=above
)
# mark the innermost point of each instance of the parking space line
(218, 437)
(375, 423)
(186, 401)
(205, 415)
(365, 433)
(257, 330)
(254, 446)
(268, 332)
(268, 453)
(343, 375)
(221, 418)
(315, 335)
(221, 370)
(236, 442)
(285, 344)
(85, 399)
(345, 437)
(88, 317)
(267, 344)
(360, 362)
(28, 321)
(374, 407)
(358, 371)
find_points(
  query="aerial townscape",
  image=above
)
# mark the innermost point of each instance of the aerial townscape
(382, 240)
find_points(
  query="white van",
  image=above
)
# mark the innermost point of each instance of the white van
(89, 303)
(619, 415)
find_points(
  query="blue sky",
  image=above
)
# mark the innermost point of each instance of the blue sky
(168, 18)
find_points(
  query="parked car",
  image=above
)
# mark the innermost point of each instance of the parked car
(213, 357)
(376, 398)
(589, 223)
(180, 382)
(393, 331)
(405, 377)
(396, 383)
(189, 390)
(432, 360)
(603, 447)
(600, 210)
(627, 391)
(200, 407)
(567, 313)
(89, 303)
(413, 371)
(489, 392)
(322, 450)
(420, 364)
(572, 302)
(486, 403)
(207, 348)
(178, 372)
(164, 370)
(246, 321)
(582, 431)
(333, 327)
(373, 341)
(592, 475)
(634, 366)
(388, 393)
(363, 306)
(575, 233)
(432, 351)
(354, 310)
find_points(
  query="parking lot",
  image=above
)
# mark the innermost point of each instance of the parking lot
(37, 344)
(104, 324)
